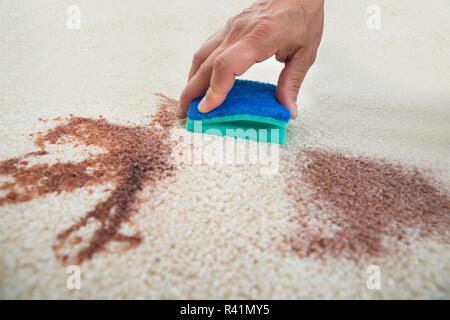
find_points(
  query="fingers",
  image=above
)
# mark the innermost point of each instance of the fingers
(231, 63)
(198, 84)
(290, 80)
(195, 87)
(203, 53)
(219, 70)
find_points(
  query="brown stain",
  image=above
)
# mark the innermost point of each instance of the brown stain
(134, 156)
(367, 201)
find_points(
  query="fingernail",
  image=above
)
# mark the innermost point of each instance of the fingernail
(202, 105)
(179, 113)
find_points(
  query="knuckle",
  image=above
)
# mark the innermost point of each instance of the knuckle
(295, 83)
(204, 71)
(264, 29)
(281, 56)
(238, 26)
(197, 59)
(220, 63)
(229, 23)
(214, 91)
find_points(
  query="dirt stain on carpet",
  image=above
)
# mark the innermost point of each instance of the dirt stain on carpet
(134, 156)
(352, 207)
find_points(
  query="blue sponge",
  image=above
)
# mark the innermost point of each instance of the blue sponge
(250, 111)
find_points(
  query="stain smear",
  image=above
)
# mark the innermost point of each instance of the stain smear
(351, 207)
(133, 157)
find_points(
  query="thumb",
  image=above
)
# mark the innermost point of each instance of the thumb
(289, 82)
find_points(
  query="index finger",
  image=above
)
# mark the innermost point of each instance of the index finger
(203, 53)
(197, 85)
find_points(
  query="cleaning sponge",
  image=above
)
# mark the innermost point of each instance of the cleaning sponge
(250, 111)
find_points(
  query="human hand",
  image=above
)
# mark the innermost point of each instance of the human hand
(289, 29)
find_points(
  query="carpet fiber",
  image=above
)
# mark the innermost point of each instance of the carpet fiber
(95, 170)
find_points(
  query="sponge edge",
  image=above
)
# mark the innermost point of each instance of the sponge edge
(250, 111)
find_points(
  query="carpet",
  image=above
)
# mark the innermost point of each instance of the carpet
(97, 173)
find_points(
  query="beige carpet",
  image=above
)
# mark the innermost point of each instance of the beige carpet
(96, 172)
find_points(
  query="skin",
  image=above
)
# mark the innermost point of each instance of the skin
(289, 29)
